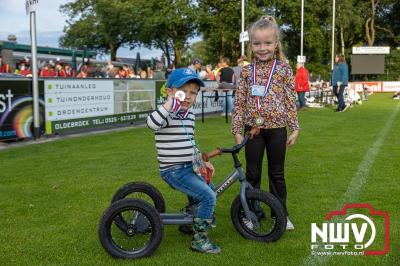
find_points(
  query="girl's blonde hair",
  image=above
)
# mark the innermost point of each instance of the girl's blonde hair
(269, 22)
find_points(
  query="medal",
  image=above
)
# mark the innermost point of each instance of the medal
(180, 95)
(259, 121)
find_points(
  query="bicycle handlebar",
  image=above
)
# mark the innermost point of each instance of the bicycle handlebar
(237, 147)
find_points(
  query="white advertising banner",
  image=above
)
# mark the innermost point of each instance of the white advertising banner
(391, 86)
(370, 86)
(210, 105)
(72, 99)
(371, 50)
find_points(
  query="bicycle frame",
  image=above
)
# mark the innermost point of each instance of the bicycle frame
(237, 174)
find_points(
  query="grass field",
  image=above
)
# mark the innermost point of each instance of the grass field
(53, 194)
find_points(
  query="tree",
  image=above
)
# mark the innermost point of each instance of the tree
(382, 22)
(349, 23)
(106, 25)
(388, 23)
(165, 25)
(220, 24)
(317, 30)
(197, 50)
(98, 25)
(370, 24)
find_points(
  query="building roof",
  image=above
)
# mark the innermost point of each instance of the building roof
(26, 48)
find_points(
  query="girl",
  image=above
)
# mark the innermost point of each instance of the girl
(266, 100)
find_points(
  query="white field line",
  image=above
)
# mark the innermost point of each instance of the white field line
(358, 181)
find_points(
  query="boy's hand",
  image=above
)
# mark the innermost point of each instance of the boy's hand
(168, 104)
(211, 167)
(172, 104)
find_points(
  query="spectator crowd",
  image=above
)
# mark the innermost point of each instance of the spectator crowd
(61, 69)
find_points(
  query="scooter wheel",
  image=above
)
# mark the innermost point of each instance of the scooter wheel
(141, 190)
(270, 213)
(143, 232)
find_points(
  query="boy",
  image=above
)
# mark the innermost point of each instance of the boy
(178, 155)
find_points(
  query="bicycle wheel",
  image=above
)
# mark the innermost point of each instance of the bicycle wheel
(270, 216)
(141, 190)
(143, 234)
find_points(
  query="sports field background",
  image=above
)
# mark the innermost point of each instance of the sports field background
(53, 194)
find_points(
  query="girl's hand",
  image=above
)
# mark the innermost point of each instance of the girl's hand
(254, 132)
(238, 138)
(292, 138)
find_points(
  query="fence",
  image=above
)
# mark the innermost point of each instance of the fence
(74, 105)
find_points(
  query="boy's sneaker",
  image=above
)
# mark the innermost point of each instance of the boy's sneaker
(204, 245)
(289, 225)
(200, 240)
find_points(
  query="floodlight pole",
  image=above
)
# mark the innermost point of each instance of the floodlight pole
(302, 28)
(242, 25)
(333, 34)
(35, 85)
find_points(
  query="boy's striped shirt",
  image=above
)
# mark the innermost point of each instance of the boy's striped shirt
(172, 142)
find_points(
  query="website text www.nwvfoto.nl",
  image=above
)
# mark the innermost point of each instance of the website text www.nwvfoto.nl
(334, 253)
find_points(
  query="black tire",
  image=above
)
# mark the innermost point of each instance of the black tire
(144, 220)
(270, 229)
(143, 191)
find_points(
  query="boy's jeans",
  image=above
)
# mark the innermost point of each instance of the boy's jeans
(183, 178)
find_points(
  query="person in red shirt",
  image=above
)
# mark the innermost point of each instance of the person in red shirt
(4, 68)
(48, 71)
(302, 84)
(24, 70)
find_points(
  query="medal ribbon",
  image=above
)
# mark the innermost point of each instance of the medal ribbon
(183, 115)
(176, 107)
(267, 85)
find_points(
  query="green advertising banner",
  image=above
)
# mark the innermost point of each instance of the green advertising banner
(74, 125)
(16, 109)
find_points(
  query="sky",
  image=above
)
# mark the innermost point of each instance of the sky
(49, 25)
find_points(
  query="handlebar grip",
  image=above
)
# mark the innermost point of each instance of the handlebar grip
(207, 156)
